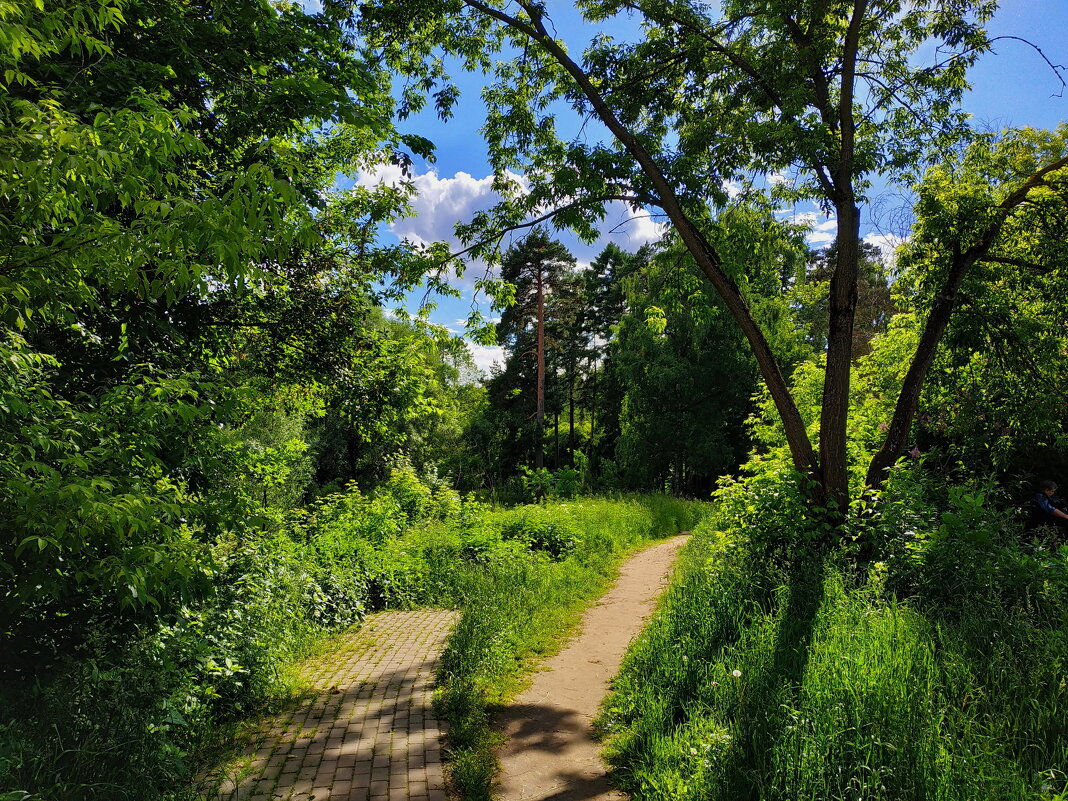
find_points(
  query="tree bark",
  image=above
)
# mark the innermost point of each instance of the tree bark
(834, 411)
(556, 439)
(539, 453)
(571, 418)
(593, 415)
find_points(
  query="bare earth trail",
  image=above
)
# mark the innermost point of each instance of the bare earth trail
(550, 752)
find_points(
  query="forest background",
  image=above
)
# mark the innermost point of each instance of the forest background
(232, 420)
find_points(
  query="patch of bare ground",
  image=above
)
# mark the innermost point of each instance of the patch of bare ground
(550, 751)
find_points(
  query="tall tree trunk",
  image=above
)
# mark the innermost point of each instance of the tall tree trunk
(834, 414)
(571, 418)
(835, 410)
(593, 414)
(539, 453)
(556, 439)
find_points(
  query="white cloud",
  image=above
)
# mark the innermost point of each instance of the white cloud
(631, 229)
(438, 204)
(887, 243)
(485, 356)
(819, 233)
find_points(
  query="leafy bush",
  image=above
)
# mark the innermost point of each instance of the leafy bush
(540, 529)
(413, 498)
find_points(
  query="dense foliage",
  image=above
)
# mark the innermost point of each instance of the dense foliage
(815, 99)
(145, 711)
(938, 673)
(216, 446)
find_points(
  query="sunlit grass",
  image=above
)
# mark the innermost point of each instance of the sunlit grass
(750, 685)
(518, 611)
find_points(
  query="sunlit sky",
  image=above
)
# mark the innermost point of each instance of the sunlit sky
(1012, 86)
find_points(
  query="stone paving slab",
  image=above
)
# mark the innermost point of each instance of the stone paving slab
(366, 731)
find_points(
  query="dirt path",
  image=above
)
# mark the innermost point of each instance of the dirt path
(550, 752)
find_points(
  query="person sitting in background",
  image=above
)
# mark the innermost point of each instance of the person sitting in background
(1048, 510)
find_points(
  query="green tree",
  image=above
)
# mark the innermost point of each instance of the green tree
(687, 379)
(831, 92)
(995, 397)
(538, 268)
(164, 212)
(606, 305)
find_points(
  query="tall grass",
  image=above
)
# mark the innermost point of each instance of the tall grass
(516, 610)
(757, 682)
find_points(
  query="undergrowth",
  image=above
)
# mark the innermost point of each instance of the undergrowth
(516, 611)
(126, 708)
(774, 673)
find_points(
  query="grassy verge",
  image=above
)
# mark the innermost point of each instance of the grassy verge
(517, 609)
(754, 682)
(126, 708)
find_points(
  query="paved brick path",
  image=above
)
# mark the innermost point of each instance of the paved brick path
(367, 732)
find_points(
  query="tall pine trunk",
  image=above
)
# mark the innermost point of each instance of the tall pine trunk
(539, 453)
(571, 418)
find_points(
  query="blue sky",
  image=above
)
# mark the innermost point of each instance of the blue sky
(1012, 86)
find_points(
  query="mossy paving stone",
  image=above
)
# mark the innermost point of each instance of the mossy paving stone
(364, 731)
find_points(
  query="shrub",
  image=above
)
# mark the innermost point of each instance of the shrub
(413, 498)
(540, 529)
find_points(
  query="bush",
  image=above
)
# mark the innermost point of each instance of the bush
(550, 531)
(413, 498)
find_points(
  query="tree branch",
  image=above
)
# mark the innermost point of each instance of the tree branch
(737, 60)
(937, 321)
(846, 123)
(500, 234)
(1042, 269)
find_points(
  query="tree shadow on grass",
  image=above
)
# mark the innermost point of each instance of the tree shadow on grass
(757, 718)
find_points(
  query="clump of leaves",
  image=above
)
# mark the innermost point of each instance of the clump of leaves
(543, 530)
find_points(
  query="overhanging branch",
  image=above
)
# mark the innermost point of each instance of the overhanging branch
(937, 321)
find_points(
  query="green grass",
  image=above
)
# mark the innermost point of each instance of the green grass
(758, 683)
(132, 711)
(516, 611)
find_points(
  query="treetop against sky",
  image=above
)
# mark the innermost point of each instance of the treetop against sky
(1014, 85)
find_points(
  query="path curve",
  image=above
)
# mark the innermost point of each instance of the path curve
(367, 731)
(550, 752)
